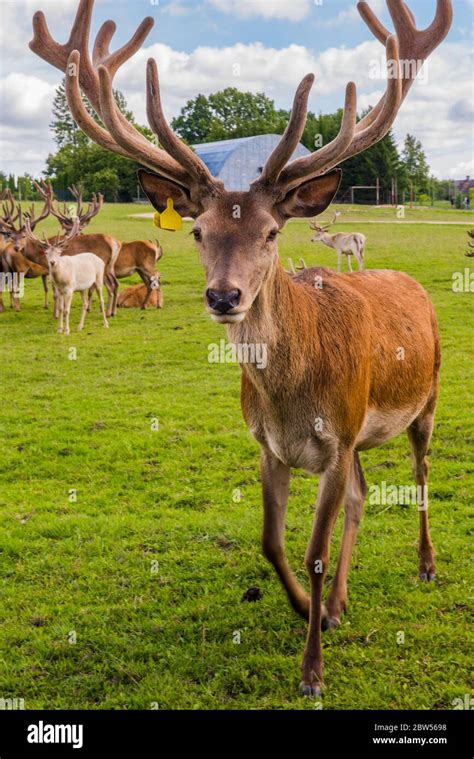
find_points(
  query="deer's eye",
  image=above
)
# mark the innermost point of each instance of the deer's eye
(271, 237)
(197, 234)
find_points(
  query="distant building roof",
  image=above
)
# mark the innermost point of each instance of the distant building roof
(464, 185)
(238, 162)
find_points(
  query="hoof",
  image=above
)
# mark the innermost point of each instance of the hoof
(310, 690)
(427, 576)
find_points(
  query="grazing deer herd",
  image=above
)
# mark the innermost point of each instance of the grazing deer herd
(327, 392)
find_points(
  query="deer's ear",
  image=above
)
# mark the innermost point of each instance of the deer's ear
(310, 198)
(158, 190)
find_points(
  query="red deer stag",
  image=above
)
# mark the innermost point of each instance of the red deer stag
(325, 393)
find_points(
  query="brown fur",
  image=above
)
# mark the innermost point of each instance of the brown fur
(140, 256)
(133, 297)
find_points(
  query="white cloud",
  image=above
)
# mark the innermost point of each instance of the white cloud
(26, 101)
(294, 10)
(351, 14)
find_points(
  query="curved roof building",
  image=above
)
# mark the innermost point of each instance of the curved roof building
(238, 162)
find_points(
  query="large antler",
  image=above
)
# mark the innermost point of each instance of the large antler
(95, 78)
(411, 46)
(66, 218)
(59, 242)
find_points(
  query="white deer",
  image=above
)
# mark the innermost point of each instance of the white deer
(71, 274)
(347, 243)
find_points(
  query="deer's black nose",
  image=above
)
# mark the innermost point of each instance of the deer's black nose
(223, 301)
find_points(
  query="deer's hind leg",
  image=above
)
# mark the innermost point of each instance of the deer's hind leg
(275, 478)
(419, 434)
(354, 497)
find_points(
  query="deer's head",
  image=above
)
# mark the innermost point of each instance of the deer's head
(13, 226)
(235, 232)
(52, 250)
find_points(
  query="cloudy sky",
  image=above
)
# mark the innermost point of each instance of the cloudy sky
(257, 45)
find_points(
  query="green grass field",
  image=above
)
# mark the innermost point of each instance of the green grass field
(130, 596)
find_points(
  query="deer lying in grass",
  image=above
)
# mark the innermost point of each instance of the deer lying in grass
(344, 243)
(140, 256)
(71, 274)
(133, 296)
(326, 392)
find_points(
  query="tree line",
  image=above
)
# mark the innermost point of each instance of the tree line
(225, 115)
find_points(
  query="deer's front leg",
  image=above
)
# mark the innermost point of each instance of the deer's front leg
(275, 483)
(330, 494)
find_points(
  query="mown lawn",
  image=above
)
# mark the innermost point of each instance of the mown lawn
(129, 597)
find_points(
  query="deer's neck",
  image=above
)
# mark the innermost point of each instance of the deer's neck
(328, 240)
(284, 320)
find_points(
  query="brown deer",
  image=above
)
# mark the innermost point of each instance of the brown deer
(325, 394)
(140, 256)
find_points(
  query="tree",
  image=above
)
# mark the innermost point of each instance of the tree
(416, 166)
(226, 115)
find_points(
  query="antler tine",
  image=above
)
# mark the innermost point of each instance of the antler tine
(415, 44)
(94, 208)
(196, 168)
(73, 232)
(46, 191)
(44, 213)
(291, 136)
(101, 54)
(310, 166)
(31, 236)
(132, 142)
(77, 197)
(51, 51)
(8, 210)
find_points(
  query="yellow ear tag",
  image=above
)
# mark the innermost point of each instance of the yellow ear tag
(156, 220)
(169, 218)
